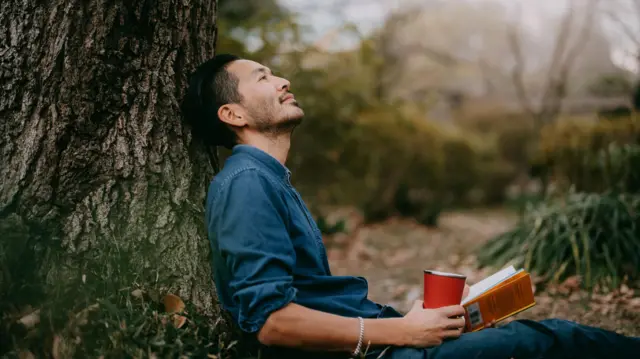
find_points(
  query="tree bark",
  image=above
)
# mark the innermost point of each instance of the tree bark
(94, 154)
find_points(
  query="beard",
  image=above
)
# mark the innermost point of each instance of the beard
(275, 119)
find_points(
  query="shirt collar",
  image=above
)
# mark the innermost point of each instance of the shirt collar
(266, 159)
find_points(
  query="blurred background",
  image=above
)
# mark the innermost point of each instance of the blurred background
(464, 134)
(413, 107)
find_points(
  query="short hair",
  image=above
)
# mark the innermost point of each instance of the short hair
(211, 86)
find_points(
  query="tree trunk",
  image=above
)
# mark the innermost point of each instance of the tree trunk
(94, 154)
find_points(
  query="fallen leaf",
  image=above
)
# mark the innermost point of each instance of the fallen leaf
(178, 321)
(574, 297)
(634, 303)
(55, 349)
(173, 304)
(30, 320)
(624, 289)
(82, 317)
(137, 293)
(572, 283)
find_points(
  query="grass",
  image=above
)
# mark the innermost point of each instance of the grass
(129, 323)
(98, 305)
(594, 236)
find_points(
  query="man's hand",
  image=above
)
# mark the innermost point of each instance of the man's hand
(429, 327)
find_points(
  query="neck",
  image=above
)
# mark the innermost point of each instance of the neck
(277, 147)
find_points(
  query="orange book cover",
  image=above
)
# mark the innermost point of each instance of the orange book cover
(502, 301)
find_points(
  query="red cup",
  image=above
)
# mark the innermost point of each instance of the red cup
(442, 289)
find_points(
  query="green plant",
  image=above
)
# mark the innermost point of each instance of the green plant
(591, 157)
(101, 304)
(595, 236)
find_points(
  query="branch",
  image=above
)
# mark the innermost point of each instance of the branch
(410, 15)
(517, 73)
(562, 38)
(556, 90)
(549, 104)
(628, 31)
(583, 37)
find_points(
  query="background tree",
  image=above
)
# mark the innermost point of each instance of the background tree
(624, 16)
(570, 39)
(95, 157)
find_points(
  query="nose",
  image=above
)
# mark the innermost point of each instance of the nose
(283, 84)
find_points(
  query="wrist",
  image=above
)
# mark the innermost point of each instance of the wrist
(385, 332)
(401, 335)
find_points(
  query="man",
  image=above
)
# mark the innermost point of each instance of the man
(270, 265)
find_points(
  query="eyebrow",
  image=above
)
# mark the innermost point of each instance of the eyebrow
(261, 70)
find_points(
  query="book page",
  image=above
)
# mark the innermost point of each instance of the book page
(485, 284)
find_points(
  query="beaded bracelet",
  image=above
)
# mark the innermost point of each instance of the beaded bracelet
(357, 351)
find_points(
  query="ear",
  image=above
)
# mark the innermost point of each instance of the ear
(232, 114)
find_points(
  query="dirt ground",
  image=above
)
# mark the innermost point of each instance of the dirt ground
(393, 255)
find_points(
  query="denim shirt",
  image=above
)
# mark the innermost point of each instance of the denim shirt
(268, 250)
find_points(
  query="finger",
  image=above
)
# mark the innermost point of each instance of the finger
(453, 310)
(452, 333)
(417, 304)
(456, 323)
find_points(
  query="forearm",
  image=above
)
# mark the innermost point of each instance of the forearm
(301, 327)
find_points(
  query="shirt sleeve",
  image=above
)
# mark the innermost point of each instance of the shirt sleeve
(255, 245)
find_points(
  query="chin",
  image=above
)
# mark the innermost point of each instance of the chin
(295, 113)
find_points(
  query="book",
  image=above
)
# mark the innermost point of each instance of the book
(497, 297)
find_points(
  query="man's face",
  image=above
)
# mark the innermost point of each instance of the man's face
(266, 100)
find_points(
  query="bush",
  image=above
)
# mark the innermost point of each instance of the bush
(513, 134)
(391, 161)
(591, 157)
(392, 164)
(595, 236)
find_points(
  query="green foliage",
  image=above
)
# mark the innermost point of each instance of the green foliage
(119, 325)
(513, 133)
(592, 157)
(20, 256)
(593, 228)
(610, 85)
(596, 236)
(96, 304)
(397, 164)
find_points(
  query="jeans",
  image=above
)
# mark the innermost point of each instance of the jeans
(522, 339)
